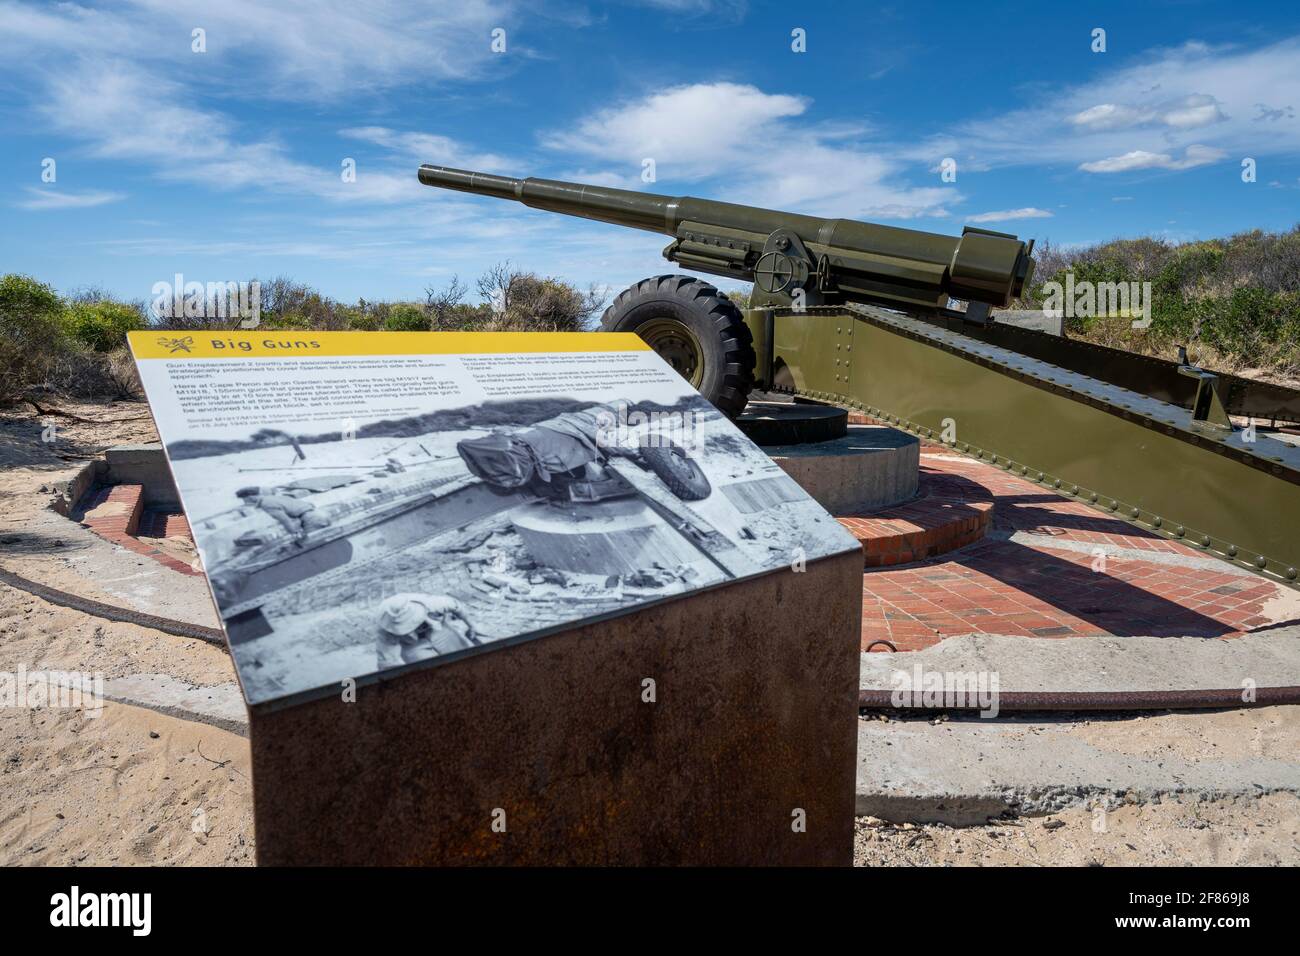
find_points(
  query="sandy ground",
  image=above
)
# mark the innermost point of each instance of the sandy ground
(28, 462)
(129, 786)
(1181, 831)
(1185, 832)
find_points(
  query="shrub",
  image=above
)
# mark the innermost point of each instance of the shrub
(32, 334)
(523, 301)
(87, 374)
(357, 319)
(405, 317)
(102, 326)
(1235, 302)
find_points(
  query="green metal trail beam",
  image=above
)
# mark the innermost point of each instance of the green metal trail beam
(1129, 455)
(1154, 377)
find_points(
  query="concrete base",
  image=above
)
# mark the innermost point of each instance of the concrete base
(871, 467)
(550, 752)
(112, 574)
(963, 772)
(220, 705)
(145, 465)
(791, 423)
(621, 536)
(1103, 665)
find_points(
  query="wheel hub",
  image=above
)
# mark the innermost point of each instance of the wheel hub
(677, 345)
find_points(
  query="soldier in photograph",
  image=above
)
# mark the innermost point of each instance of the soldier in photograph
(414, 627)
(292, 513)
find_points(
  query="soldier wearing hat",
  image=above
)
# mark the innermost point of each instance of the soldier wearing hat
(415, 627)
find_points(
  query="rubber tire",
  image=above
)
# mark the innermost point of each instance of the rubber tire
(677, 470)
(725, 340)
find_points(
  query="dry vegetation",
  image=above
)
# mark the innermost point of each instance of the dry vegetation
(74, 345)
(1235, 302)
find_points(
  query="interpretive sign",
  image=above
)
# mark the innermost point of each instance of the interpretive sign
(370, 502)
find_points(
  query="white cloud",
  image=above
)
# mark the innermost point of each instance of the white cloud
(1193, 112)
(123, 82)
(1169, 110)
(122, 86)
(1006, 215)
(750, 143)
(725, 9)
(429, 148)
(123, 113)
(690, 131)
(52, 198)
(1193, 156)
(1189, 112)
(1110, 116)
(280, 48)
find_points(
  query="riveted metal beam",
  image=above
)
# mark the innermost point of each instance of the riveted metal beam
(1126, 454)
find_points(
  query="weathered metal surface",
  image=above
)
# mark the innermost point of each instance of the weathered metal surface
(752, 730)
(1127, 454)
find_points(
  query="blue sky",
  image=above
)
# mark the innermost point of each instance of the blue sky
(225, 164)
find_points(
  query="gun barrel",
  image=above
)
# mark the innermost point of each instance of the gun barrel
(622, 207)
(862, 261)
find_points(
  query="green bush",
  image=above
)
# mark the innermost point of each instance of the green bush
(362, 321)
(102, 326)
(32, 334)
(1235, 302)
(404, 317)
(283, 321)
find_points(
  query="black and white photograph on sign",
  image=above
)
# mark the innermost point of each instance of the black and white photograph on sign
(336, 555)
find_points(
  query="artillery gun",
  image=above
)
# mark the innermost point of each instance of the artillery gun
(860, 315)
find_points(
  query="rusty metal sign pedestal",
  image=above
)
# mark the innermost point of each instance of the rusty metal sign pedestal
(714, 729)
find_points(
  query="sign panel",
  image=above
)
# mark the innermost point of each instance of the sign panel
(366, 502)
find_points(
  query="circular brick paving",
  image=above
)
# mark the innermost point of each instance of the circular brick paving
(949, 512)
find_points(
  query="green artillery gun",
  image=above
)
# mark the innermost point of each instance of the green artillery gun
(795, 261)
(860, 315)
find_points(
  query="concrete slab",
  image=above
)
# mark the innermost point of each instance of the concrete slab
(963, 772)
(871, 467)
(131, 580)
(143, 464)
(1269, 658)
(221, 705)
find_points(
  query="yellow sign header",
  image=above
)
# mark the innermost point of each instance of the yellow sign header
(260, 343)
